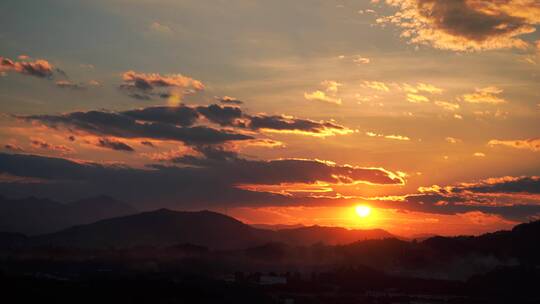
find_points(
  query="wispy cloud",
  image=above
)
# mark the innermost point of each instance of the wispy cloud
(532, 144)
(488, 95)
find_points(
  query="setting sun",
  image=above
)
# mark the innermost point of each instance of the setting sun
(363, 211)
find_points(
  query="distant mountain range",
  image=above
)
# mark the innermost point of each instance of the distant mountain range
(163, 228)
(33, 216)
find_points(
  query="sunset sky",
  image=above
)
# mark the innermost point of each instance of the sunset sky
(278, 112)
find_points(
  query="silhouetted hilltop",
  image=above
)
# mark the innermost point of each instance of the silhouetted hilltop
(165, 228)
(37, 216)
(160, 228)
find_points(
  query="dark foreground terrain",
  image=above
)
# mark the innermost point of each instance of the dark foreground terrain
(35, 282)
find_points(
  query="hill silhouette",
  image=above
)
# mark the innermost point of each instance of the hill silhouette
(164, 228)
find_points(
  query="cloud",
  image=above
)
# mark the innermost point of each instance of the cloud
(429, 88)
(231, 116)
(465, 25)
(288, 124)
(212, 177)
(114, 145)
(479, 154)
(41, 144)
(66, 84)
(415, 98)
(13, 147)
(331, 86)
(506, 184)
(485, 95)
(421, 87)
(146, 86)
(322, 96)
(397, 137)
(229, 100)
(181, 115)
(448, 106)
(221, 115)
(391, 136)
(125, 125)
(148, 143)
(361, 60)
(87, 66)
(39, 68)
(191, 125)
(376, 85)
(452, 140)
(514, 198)
(160, 28)
(532, 144)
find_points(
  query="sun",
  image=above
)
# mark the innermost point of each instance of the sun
(363, 210)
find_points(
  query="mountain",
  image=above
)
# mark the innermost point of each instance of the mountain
(160, 228)
(329, 235)
(37, 216)
(163, 228)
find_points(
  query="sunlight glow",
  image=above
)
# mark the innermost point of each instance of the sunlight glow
(363, 211)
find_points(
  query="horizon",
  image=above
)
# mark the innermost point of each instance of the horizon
(411, 116)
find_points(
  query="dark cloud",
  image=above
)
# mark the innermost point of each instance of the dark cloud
(179, 123)
(181, 115)
(284, 123)
(212, 178)
(212, 183)
(456, 204)
(523, 184)
(221, 115)
(125, 126)
(514, 198)
(235, 117)
(114, 145)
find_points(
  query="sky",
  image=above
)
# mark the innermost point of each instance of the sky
(278, 112)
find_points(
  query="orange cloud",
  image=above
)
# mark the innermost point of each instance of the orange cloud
(465, 25)
(485, 95)
(391, 136)
(448, 106)
(414, 98)
(142, 85)
(532, 144)
(322, 96)
(39, 68)
(153, 79)
(41, 144)
(376, 85)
